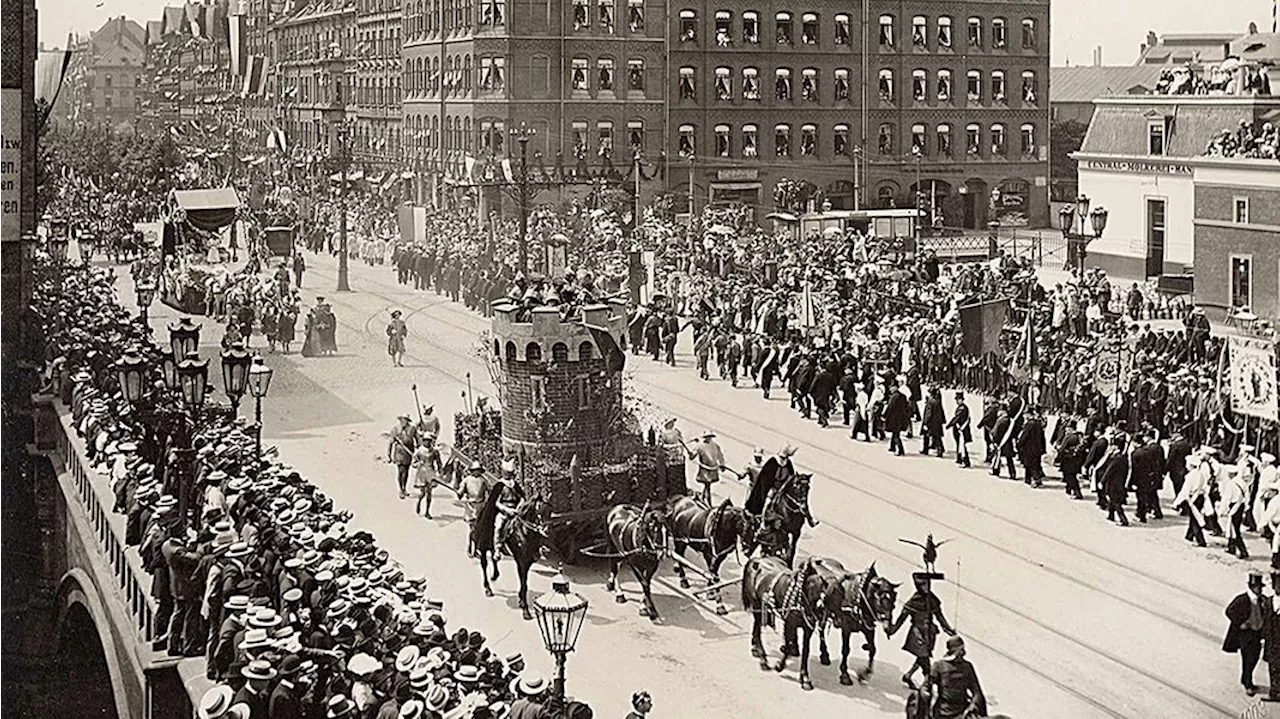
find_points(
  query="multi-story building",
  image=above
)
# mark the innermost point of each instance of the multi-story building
(1237, 221)
(587, 77)
(375, 77)
(1185, 48)
(117, 72)
(945, 104)
(313, 46)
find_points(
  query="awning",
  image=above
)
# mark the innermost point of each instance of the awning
(208, 210)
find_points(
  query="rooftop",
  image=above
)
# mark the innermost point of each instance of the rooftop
(1085, 83)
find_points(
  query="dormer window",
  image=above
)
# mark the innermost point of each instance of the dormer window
(1157, 134)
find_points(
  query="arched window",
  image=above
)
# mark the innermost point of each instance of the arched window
(884, 139)
(1028, 34)
(944, 31)
(840, 140)
(973, 86)
(917, 140)
(722, 140)
(782, 83)
(919, 85)
(1030, 89)
(604, 138)
(842, 83)
(886, 31)
(1028, 132)
(750, 141)
(687, 146)
(782, 140)
(559, 352)
(533, 352)
(809, 84)
(997, 86)
(920, 31)
(885, 195)
(688, 26)
(809, 29)
(585, 352)
(973, 139)
(808, 140)
(724, 84)
(843, 31)
(886, 85)
(997, 139)
(944, 85)
(688, 90)
(944, 140)
(635, 135)
(999, 33)
(751, 27)
(635, 74)
(724, 28)
(975, 32)
(784, 33)
(750, 83)
(511, 350)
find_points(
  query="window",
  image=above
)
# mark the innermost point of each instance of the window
(687, 146)
(1028, 34)
(782, 140)
(842, 84)
(886, 85)
(687, 90)
(583, 386)
(688, 26)
(1240, 210)
(635, 135)
(885, 139)
(106, 102)
(886, 31)
(492, 74)
(751, 27)
(808, 140)
(750, 140)
(944, 85)
(997, 139)
(973, 86)
(605, 16)
(750, 83)
(579, 130)
(1241, 280)
(920, 31)
(919, 85)
(917, 140)
(604, 139)
(999, 34)
(944, 31)
(783, 22)
(782, 83)
(997, 86)
(1155, 137)
(944, 140)
(842, 29)
(604, 74)
(581, 20)
(1028, 133)
(635, 75)
(635, 15)
(975, 32)
(724, 84)
(722, 140)
(809, 31)
(578, 73)
(809, 84)
(493, 13)
(840, 140)
(724, 28)
(973, 140)
(1029, 87)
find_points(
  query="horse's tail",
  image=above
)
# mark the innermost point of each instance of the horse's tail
(748, 601)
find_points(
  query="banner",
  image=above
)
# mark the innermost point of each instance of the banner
(404, 218)
(1106, 373)
(980, 326)
(1253, 377)
(420, 225)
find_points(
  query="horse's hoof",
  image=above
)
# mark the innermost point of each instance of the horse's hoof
(721, 610)
(757, 652)
(846, 680)
(779, 665)
(764, 664)
(488, 592)
(824, 660)
(864, 675)
(806, 685)
(684, 583)
(620, 599)
(608, 586)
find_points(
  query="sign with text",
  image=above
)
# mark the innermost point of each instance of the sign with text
(1143, 167)
(10, 164)
(737, 175)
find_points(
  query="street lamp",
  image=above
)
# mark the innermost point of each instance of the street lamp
(259, 383)
(169, 369)
(235, 373)
(561, 614)
(184, 338)
(146, 294)
(58, 249)
(193, 376)
(1078, 242)
(130, 370)
(522, 135)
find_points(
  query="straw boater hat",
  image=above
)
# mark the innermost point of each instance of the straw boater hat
(215, 702)
(260, 670)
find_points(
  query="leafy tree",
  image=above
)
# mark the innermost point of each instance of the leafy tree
(1065, 137)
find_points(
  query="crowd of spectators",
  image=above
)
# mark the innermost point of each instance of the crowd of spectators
(1246, 142)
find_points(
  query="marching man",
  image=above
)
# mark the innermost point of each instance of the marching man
(710, 459)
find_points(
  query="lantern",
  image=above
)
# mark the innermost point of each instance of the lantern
(129, 372)
(169, 369)
(259, 378)
(1082, 206)
(146, 292)
(561, 614)
(193, 375)
(1066, 218)
(184, 338)
(1098, 218)
(235, 372)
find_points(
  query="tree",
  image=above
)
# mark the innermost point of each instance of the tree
(1065, 137)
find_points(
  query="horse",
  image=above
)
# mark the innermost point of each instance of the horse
(523, 538)
(855, 602)
(714, 531)
(771, 588)
(638, 536)
(790, 503)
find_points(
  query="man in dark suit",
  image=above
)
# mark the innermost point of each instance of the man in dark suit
(1070, 456)
(1176, 461)
(933, 423)
(1002, 439)
(1247, 614)
(1148, 473)
(285, 700)
(897, 417)
(1115, 477)
(960, 432)
(1031, 447)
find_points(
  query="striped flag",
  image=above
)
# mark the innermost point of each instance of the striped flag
(236, 44)
(255, 76)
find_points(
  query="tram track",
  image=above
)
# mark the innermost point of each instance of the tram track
(1207, 703)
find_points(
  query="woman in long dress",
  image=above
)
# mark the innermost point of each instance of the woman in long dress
(270, 325)
(285, 324)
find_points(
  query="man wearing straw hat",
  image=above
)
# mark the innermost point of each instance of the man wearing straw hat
(710, 459)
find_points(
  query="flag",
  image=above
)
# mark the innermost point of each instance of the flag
(236, 44)
(1252, 377)
(980, 326)
(254, 76)
(194, 18)
(507, 171)
(471, 166)
(51, 70)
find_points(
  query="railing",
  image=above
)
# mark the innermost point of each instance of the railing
(93, 492)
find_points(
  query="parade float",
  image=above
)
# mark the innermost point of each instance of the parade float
(563, 428)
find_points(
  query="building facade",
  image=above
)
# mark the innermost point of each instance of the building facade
(375, 75)
(1237, 236)
(1136, 162)
(312, 47)
(941, 103)
(118, 80)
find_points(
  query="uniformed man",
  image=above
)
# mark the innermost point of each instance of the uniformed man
(473, 489)
(955, 687)
(400, 451)
(710, 459)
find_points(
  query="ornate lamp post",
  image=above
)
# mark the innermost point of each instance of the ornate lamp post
(259, 383)
(146, 294)
(522, 135)
(561, 614)
(235, 374)
(1092, 225)
(130, 373)
(184, 338)
(58, 249)
(193, 378)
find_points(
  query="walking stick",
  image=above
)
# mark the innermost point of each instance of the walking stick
(418, 403)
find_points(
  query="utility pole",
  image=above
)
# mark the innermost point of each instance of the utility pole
(689, 227)
(522, 135)
(635, 210)
(344, 163)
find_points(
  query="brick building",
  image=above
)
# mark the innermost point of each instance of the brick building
(948, 98)
(1237, 223)
(375, 75)
(117, 75)
(312, 45)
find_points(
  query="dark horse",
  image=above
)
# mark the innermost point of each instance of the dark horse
(854, 603)
(521, 536)
(637, 536)
(713, 531)
(772, 589)
(790, 503)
